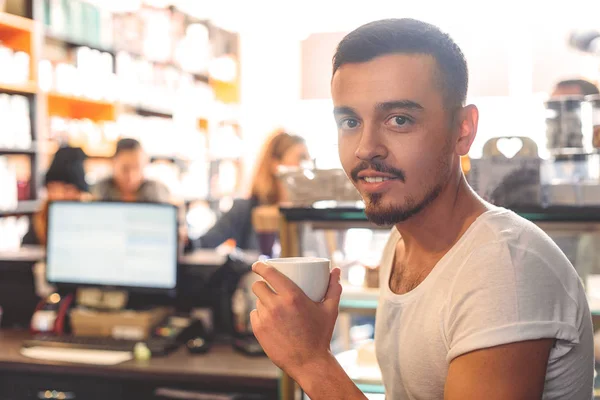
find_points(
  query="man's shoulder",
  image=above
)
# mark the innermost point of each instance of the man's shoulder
(504, 230)
(155, 191)
(514, 252)
(151, 184)
(102, 186)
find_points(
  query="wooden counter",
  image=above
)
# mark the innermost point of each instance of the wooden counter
(220, 370)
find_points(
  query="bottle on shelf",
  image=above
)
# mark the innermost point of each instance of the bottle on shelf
(8, 183)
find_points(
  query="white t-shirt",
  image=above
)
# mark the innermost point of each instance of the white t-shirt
(504, 281)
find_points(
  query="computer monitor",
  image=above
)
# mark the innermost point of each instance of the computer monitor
(111, 244)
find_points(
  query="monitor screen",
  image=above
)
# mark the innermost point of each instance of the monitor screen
(131, 245)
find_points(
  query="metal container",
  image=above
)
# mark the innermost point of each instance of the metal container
(594, 102)
(568, 124)
(308, 186)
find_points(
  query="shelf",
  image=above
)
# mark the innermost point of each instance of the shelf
(371, 388)
(168, 63)
(4, 151)
(72, 42)
(358, 299)
(560, 213)
(26, 253)
(23, 208)
(67, 106)
(150, 112)
(15, 23)
(28, 88)
(16, 33)
(343, 218)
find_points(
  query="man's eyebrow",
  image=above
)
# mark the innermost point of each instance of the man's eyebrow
(344, 110)
(393, 105)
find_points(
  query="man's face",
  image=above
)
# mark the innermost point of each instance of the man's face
(395, 135)
(129, 170)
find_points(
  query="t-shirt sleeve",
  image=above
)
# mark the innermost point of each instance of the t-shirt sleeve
(505, 294)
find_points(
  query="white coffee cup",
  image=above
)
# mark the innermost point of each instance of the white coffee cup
(311, 274)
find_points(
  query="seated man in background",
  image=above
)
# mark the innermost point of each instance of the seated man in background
(128, 182)
(64, 181)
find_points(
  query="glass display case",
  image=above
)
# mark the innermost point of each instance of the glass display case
(345, 236)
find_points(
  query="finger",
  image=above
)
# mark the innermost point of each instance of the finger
(260, 308)
(334, 291)
(254, 320)
(263, 292)
(278, 281)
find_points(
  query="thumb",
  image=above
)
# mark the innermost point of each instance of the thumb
(334, 291)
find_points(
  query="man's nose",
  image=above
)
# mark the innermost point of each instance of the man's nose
(371, 146)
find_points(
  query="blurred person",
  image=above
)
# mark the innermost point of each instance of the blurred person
(476, 302)
(64, 180)
(127, 182)
(282, 149)
(574, 87)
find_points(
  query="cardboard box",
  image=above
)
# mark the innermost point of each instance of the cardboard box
(118, 324)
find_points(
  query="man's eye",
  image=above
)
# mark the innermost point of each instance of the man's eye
(399, 121)
(349, 123)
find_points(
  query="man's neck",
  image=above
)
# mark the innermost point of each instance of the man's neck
(433, 231)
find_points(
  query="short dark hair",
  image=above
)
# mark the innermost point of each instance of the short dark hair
(67, 167)
(127, 144)
(587, 88)
(408, 36)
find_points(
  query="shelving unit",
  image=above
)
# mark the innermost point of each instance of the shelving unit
(354, 300)
(364, 301)
(61, 105)
(72, 43)
(21, 34)
(60, 39)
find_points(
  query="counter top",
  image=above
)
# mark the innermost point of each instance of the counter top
(198, 257)
(221, 364)
(532, 213)
(25, 254)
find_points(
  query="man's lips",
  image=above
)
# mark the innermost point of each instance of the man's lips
(375, 177)
(376, 172)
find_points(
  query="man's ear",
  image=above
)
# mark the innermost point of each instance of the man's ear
(468, 119)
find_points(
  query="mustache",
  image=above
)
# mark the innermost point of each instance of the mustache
(379, 167)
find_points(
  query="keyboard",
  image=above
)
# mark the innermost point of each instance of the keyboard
(158, 346)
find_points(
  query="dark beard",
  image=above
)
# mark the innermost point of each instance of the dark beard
(394, 214)
(391, 215)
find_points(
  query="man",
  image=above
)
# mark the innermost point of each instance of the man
(574, 87)
(477, 303)
(127, 182)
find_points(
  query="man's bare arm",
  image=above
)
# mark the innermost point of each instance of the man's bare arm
(326, 380)
(515, 371)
